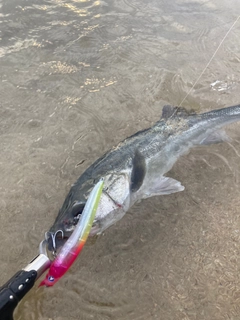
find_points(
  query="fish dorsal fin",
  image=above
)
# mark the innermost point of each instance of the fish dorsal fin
(138, 171)
(169, 111)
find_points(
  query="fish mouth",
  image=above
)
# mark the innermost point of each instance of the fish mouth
(59, 233)
(69, 228)
(62, 229)
(56, 239)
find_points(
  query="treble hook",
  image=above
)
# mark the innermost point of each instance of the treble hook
(53, 238)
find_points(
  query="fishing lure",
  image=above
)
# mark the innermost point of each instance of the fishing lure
(73, 246)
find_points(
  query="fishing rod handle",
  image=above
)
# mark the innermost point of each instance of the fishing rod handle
(14, 290)
(16, 287)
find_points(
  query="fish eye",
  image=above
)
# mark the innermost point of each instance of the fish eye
(77, 209)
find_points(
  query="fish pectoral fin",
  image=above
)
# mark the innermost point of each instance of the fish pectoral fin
(163, 186)
(215, 137)
(138, 171)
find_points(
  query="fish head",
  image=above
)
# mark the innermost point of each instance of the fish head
(114, 202)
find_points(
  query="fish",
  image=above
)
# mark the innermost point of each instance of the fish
(74, 245)
(136, 168)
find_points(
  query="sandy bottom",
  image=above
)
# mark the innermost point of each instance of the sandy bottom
(77, 77)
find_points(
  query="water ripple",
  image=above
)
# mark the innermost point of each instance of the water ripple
(77, 77)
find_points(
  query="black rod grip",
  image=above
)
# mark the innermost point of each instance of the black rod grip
(14, 290)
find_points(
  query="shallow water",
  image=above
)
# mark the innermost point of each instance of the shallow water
(76, 78)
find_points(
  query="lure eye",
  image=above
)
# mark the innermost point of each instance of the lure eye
(51, 278)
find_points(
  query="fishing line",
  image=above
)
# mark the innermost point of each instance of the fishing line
(214, 54)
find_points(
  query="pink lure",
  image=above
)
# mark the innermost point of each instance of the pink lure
(76, 241)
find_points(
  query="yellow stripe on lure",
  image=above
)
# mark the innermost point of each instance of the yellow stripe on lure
(73, 246)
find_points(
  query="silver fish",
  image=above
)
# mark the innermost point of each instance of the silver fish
(135, 169)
